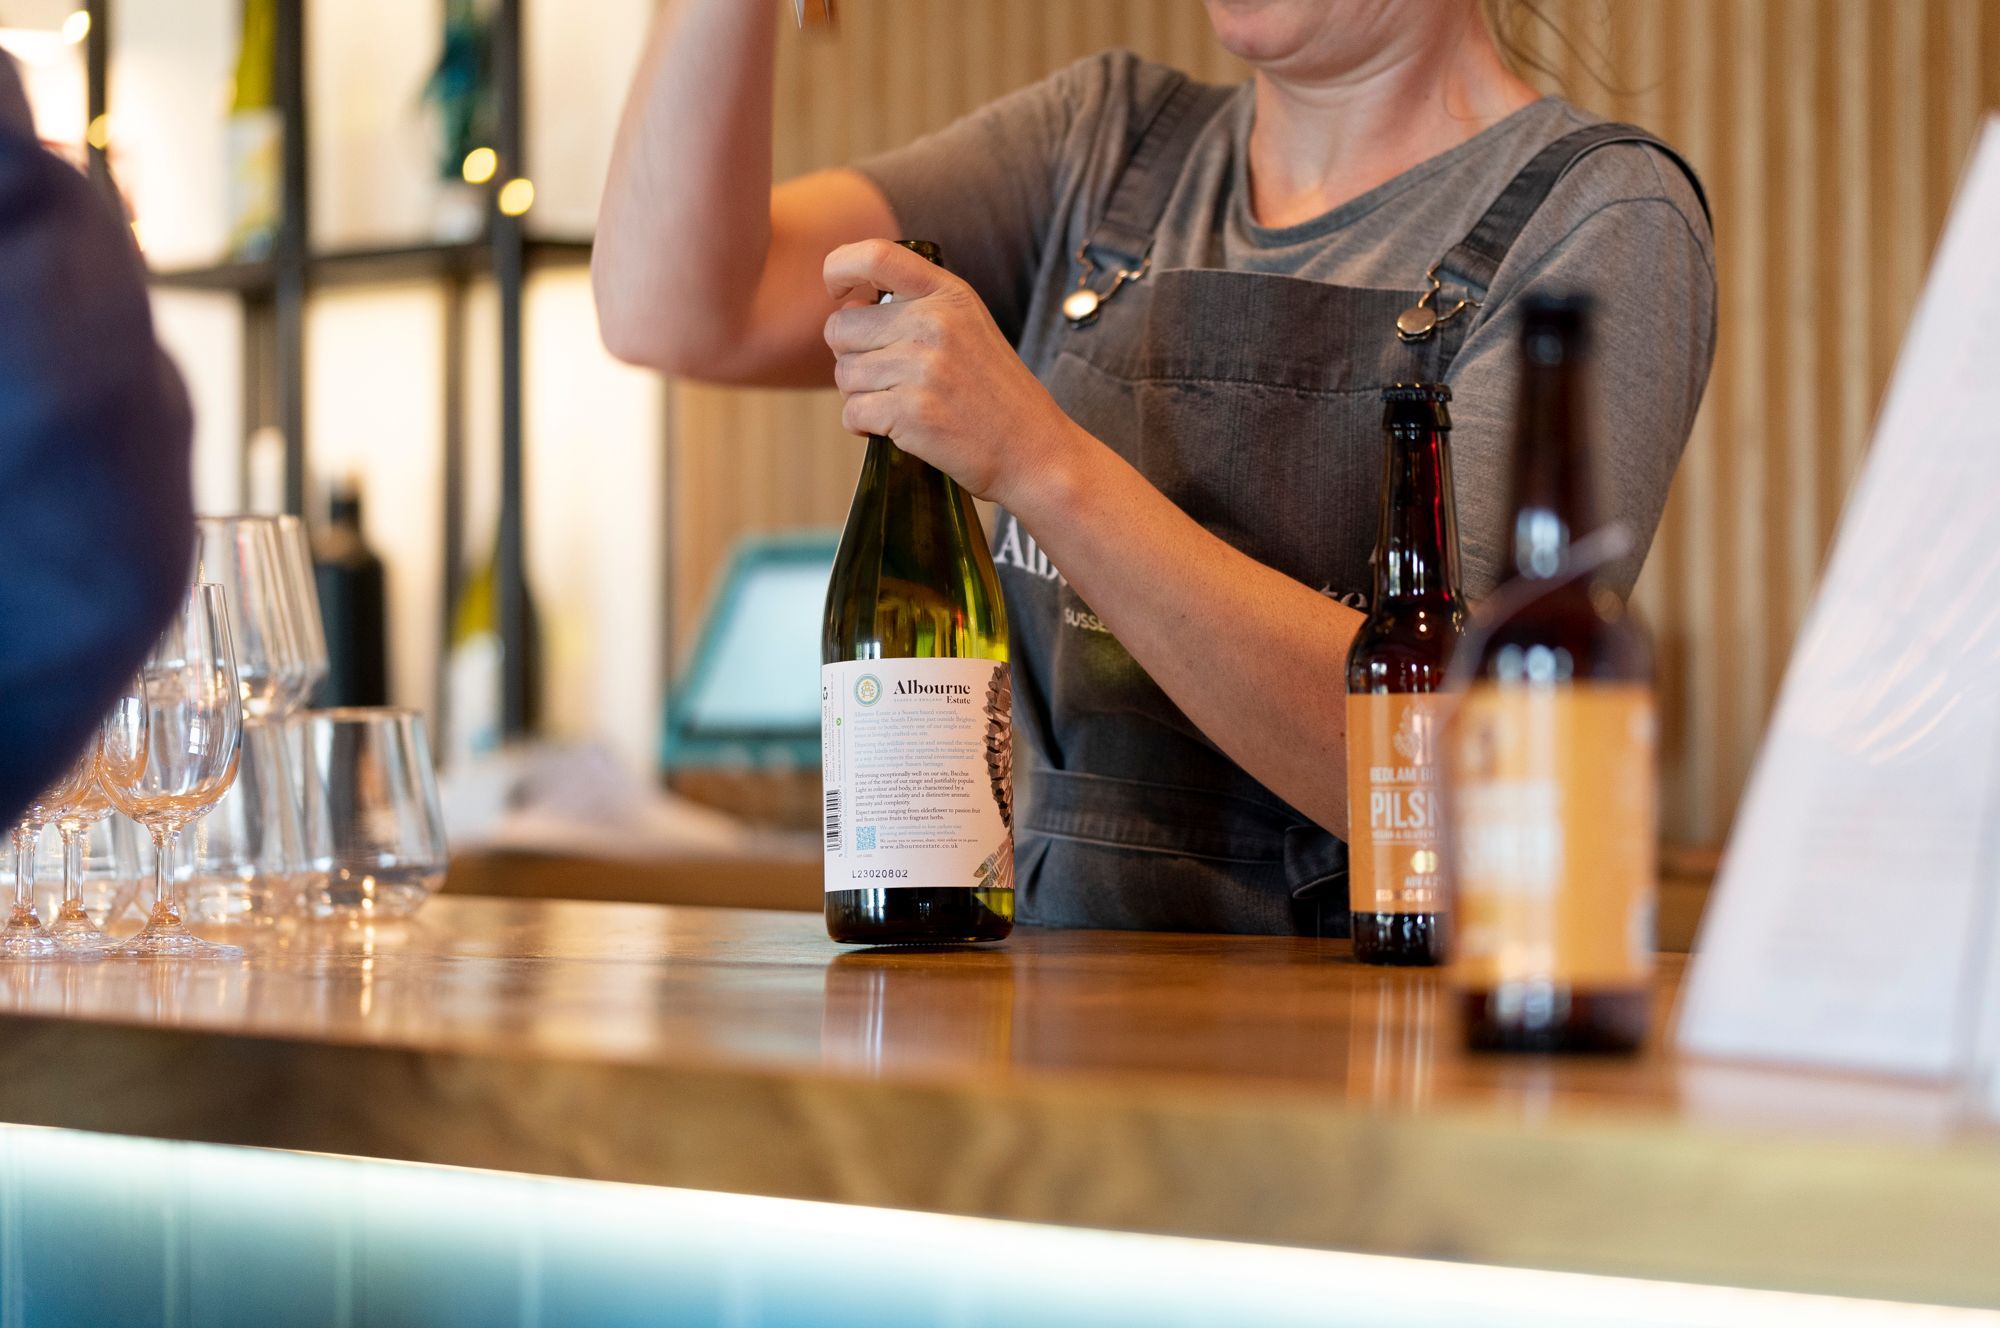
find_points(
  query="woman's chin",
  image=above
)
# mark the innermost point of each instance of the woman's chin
(1303, 35)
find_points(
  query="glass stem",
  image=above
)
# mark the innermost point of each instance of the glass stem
(72, 904)
(166, 894)
(27, 837)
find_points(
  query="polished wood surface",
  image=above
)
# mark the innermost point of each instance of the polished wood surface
(795, 881)
(792, 882)
(1261, 1089)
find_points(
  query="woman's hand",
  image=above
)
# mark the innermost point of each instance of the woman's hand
(931, 372)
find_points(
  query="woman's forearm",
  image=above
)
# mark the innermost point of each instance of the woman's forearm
(685, 223)
(1254, 658)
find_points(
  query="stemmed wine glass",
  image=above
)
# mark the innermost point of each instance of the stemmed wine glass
(85, 807)
(24, 936)
(169, 752)
(245, 861)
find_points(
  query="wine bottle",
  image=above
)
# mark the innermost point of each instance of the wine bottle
(353, 603)
(474, 668)
(256, 137)
(916, 714)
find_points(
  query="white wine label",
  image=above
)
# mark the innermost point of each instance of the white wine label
(918, 761)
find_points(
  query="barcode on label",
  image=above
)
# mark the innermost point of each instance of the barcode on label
(833, 820)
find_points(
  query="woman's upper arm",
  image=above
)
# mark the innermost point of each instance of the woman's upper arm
(781, 345)
(983, 188)
(1651, 279)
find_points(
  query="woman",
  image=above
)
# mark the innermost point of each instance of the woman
(1187, 465)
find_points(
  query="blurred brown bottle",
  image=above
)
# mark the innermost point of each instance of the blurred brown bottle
(1395, 890)
(1552, 782)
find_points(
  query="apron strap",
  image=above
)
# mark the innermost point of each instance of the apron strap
(1163, 132)
(1476, 258)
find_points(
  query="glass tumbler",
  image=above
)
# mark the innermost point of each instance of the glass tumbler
(372, 799)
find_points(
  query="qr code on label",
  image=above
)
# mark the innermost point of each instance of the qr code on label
(864, 838)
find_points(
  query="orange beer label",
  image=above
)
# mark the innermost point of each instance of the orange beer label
(1395, 823)
(1554, 810)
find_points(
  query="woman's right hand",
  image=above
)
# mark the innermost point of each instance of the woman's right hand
(701, 268)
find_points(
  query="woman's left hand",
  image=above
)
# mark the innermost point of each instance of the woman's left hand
(932, 372)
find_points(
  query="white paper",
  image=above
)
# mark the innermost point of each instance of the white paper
(1853, 919)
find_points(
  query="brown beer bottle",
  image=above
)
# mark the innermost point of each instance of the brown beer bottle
(1550, 757)
(1395, 890)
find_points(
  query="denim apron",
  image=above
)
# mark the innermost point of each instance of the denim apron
(1252, 401)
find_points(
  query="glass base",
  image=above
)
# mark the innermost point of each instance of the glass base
(150, 944)
(80, 938)
(1398, 939)
(22, 943)
(919, 915)
(1552, 1017)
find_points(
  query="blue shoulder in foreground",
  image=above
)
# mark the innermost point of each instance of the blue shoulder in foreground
(96, 519)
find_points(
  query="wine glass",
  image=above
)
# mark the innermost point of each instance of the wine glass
(113, 857)
(246, 860)
(24, 936)
(241, 555)
(169, 752)
(308, 630)
(306, 868)
(85, 806)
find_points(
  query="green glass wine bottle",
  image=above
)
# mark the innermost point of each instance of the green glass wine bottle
(916, 714)
(256, 137)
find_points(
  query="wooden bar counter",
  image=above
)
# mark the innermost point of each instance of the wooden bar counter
(1255, 1089)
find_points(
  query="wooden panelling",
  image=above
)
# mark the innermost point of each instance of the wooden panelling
(1830, 133)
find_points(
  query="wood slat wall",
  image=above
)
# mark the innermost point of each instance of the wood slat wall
(1830, 134)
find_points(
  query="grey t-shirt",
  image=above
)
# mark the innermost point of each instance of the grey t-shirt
(1011, 190)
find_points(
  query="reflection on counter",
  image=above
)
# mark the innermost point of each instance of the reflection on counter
(945, 1006)
(1394, 1025)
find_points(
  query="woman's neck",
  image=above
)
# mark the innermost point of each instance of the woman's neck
(1319, 140)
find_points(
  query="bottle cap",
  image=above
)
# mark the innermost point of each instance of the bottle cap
(1416, 392)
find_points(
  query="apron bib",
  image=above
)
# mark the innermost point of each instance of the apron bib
(1253, 402)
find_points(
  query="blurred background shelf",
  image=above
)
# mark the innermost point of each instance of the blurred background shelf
(374, 266)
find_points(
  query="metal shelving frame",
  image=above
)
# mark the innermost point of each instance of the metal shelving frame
(275, 292)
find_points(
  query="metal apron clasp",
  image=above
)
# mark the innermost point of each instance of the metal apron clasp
(1421, 320)
(1081, 305)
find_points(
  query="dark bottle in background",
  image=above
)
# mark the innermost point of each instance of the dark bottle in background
(353, 602)
(1551, 768)
(1397, 898)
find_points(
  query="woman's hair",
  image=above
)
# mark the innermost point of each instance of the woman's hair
(1510, 22)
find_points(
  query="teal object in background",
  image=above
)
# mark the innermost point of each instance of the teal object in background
(107, 1232)
(750, 699)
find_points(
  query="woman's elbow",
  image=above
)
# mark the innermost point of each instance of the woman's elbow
(634, 329)
(682, 335)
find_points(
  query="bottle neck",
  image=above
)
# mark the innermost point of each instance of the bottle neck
(1417, 547)
(901, 475)
(1552, 502)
